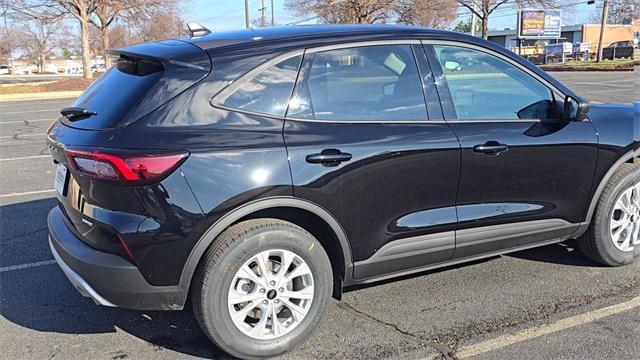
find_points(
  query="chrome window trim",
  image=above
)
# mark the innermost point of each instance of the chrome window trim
(554, 90)
(498, 55)
(361, 44)
(217, 100)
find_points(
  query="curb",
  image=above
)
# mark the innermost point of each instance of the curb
(40, 96)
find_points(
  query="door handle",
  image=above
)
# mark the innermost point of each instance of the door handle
(328, 157)
(491, 148)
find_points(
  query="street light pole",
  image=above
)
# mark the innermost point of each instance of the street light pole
(603, 25)
(246, 13)
(273, 19)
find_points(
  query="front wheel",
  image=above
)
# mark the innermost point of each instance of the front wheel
(613, 237)
(262, 288)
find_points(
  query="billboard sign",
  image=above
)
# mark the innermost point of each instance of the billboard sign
(539, 24)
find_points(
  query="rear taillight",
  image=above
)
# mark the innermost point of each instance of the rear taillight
(124, 166)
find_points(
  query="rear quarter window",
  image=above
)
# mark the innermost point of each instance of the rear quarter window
(266, 92)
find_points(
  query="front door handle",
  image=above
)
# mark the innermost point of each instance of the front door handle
(491, 148)
(328, 157)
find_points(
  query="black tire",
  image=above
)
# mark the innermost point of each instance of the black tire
(596, 243)
(231, 249)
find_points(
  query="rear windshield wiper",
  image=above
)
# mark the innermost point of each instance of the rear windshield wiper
(76, 113)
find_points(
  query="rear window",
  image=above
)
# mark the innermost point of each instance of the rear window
(115, 94)
(145, 77)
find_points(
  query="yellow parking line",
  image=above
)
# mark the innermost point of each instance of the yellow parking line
(535, 332)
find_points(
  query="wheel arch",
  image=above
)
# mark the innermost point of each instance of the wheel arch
(629, 157)
(303, 213)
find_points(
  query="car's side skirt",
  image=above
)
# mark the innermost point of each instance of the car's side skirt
(390, 261)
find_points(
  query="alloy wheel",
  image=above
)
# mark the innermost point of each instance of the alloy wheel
(271, 294)
(624, 226)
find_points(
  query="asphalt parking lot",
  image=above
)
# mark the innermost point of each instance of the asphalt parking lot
(544, 303)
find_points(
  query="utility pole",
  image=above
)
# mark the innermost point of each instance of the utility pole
(603, 25)
(273, 18)
(246, 13)
(473, 19)
(262, 9)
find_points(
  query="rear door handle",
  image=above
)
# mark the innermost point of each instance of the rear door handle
(328, 157)
(491, 148)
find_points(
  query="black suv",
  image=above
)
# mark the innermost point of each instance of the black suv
(257, 173)
(618, 50)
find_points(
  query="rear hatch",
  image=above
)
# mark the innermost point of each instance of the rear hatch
(145, 77)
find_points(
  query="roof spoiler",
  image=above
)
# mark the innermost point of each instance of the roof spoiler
(197, 30)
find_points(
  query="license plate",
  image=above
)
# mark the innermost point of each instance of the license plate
(61, 179)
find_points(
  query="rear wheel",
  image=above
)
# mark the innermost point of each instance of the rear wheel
(262, 288)
(613, 237)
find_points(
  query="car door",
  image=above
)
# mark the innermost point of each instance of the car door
(526, 174)
(364, 145)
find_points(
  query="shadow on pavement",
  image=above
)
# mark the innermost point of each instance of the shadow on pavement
(564, 253)
(40, 298)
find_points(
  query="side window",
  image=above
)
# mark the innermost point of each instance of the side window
(269, 91)
(485, 87)
(379, 83)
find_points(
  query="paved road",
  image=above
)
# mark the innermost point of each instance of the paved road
(544, 303)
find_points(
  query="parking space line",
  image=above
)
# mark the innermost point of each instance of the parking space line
(27, 266)
(19, 136)
(27, 193)
(26, 158)
(27, 102)
(25, 121)
(31, 111)
(538, 331)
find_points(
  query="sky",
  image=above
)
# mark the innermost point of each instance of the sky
(229, 14)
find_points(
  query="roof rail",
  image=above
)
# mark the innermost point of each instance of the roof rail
(197, 30)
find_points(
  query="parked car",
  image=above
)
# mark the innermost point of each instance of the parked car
(5, 69)
(309, 160)
(620, 49)
(98, 68)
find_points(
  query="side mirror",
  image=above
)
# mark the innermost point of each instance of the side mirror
(575, 109)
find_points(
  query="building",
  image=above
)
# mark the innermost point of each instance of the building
(583, 33)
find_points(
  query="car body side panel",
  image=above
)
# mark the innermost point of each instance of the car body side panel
(615, 126)
(234, 158)
(400, 183)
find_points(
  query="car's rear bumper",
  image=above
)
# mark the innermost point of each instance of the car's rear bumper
(106, 278)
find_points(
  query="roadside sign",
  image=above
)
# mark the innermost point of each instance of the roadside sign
(539, 24)
(552, 23)
(558, 49)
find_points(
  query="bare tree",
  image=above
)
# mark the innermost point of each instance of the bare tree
(156, 23)
(8, 35)
(50, 9)
(107, 12)
(620, 12)
(484, 8)
(38, 37)
(344, 11)
(434, 13)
